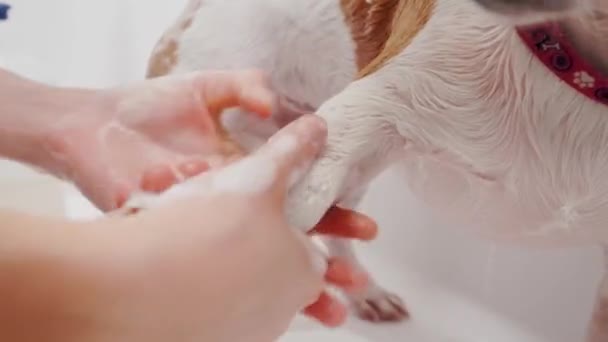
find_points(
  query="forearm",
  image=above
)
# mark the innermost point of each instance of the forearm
(29, 112)
(48, 288)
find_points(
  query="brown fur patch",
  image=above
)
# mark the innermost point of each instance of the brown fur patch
(409, 19)
(384, 28)
(164, 58)
(370, 26)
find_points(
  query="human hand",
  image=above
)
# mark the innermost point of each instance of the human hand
(104, 144)
(337, 222)
(233, 269)
(168, 122)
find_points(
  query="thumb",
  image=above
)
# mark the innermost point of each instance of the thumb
(232, 88)
(100, 186)
(86, 166)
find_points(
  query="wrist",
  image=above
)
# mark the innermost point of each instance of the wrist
(30, 117)
(56, 278)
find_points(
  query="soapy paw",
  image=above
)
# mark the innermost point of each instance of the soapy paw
(379, 306)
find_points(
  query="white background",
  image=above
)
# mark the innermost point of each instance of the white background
(97, 43)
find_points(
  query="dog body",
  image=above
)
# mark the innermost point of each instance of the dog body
(272, 36)
(487, 134)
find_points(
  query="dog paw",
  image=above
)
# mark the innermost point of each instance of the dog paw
(380, 306)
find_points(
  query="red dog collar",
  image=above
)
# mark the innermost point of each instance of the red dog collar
(549, 43)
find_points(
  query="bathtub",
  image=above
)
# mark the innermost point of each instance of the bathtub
(458, 288)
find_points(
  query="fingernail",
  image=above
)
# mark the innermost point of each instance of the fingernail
(193, 168)
(122, 195)
(284, 143)
(365, 228)
(188, 167)
(314, 123)
(178, 174)
(314, 130)
(261, 96)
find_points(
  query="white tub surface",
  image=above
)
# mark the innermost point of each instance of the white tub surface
(438, 316)
(480, 292)
(460, 288)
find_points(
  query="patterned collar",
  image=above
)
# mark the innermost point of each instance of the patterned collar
(549, 43)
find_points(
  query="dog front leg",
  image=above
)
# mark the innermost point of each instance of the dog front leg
(374, 303)
(362, 140)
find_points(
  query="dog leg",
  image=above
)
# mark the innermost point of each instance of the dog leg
(362, 140)
(598, 330)
(374, 303)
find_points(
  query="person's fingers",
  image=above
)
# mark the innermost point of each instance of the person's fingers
(346, 276)
(192, 168)
(162, 177)
(122, 195)
(97, 183)
(158, 179)
(244, 88)
(293, 149)
(327, 310)
(345, 223)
